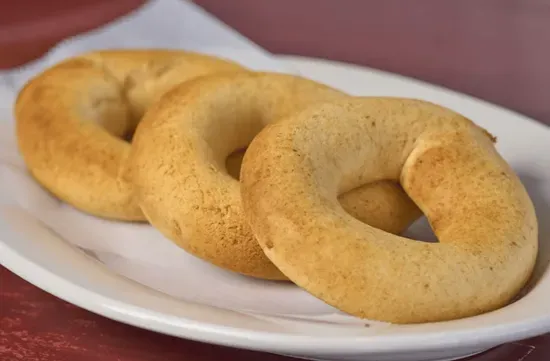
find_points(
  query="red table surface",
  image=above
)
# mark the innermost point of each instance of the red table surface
(498, 50)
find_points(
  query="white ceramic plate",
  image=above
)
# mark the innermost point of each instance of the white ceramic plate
(295, 323)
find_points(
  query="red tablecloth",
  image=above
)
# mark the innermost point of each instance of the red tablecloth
(494, 49)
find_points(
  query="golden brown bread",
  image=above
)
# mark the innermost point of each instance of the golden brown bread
(475, 203)
(72, 117)
(179, 157)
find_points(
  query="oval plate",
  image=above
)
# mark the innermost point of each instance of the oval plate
(41, 256)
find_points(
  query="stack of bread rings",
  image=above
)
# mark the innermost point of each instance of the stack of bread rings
(278, 177)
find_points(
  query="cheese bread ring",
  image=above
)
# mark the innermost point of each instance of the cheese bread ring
(476, 205)
(72, 117)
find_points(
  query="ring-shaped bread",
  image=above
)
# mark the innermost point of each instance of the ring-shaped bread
(178, 163)
(71, 118)
(476, 205)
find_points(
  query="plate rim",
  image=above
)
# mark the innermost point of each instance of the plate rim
(255, 340)
(263, 340)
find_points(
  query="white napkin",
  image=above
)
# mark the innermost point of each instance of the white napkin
(139, 251)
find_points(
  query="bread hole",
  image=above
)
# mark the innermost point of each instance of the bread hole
(233, 163)
(421, 231)
(129, 136)
(141, 87)
(108, 109)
